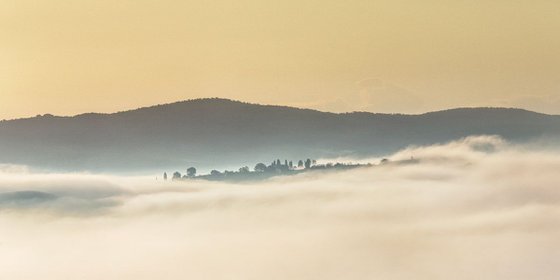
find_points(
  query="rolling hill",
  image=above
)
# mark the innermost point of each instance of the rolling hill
(214, 133)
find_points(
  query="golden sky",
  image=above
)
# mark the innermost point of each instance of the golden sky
(68, 56)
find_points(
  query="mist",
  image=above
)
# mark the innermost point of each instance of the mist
(479, 208)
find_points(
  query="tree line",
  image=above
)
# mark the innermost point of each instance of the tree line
(275, 167)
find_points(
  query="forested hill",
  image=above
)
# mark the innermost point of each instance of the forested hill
(221, 132)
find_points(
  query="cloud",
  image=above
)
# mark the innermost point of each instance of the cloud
(9, 168)
(59, 194)
(474, 208)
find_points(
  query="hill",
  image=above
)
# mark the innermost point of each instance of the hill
(220, 132)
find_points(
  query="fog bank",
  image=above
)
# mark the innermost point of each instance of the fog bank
(478, 208)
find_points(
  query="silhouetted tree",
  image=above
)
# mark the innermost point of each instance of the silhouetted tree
(308, 163)
(286, 162)
(215, 172)
(260, 167)
(165, 176)
(176, 176)
(191, 172)
(291, 164)
(244, 169)
(300, 163)
(278, 163)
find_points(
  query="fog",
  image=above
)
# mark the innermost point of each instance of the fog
(477, 208)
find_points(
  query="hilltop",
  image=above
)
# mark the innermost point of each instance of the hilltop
(221, 132)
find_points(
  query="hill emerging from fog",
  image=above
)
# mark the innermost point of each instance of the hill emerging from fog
(214, 133)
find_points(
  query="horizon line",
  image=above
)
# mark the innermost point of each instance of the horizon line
(270, 105)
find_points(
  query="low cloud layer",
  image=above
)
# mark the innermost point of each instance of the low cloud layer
(478, 208)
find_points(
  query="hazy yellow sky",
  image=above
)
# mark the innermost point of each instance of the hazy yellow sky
(68, 56)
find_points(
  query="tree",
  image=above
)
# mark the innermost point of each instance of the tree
(286, 162)
(244, 169)
(291, 164)
(191, 172)
(260, 167)
(300, 163)
(165, 176)
(278, 163)
(176, 176)
(307, 164)
(215, 173)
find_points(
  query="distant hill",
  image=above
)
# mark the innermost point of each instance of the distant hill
(219, 132)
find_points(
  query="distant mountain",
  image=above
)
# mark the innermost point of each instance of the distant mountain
(218, 132)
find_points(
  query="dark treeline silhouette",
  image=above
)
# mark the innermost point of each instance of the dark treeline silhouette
(262, 171)
(207, 131)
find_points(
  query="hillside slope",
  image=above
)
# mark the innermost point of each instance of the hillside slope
(220, 132)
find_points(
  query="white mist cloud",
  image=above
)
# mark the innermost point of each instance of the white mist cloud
(478, 208)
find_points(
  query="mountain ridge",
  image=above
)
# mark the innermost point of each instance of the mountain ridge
(222, 132)
(233, 101)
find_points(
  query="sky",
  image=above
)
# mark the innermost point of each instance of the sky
(67, 57)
